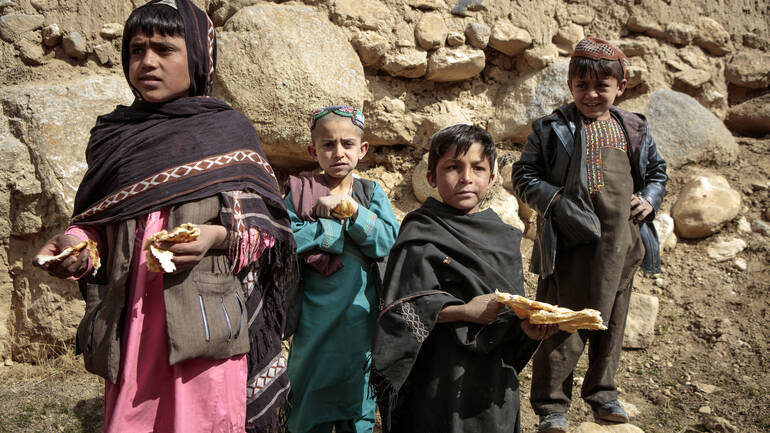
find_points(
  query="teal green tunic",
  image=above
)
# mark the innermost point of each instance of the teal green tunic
(329, 354)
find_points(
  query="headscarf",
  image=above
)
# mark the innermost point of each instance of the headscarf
(201, 42)
(351, 113)
(148, 156)
(599, 49)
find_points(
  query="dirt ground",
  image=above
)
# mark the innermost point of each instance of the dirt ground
(709, 358)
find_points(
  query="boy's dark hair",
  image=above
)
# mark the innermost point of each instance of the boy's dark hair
(583, 66)
(462, 135)
(153, 18)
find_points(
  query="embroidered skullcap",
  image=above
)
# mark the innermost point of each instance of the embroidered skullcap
(599, 49)
(351, 113)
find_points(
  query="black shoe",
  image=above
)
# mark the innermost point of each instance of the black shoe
(610, 411)
(552, 423)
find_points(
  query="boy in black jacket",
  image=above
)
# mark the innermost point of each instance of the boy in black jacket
(593, 174)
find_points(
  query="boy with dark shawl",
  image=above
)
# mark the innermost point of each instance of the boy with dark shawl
(183, 351)
(446, 355)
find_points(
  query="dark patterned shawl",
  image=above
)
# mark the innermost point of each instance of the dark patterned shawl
(444, 257)
(147, 156)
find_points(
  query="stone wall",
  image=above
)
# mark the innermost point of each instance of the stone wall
(413, 66)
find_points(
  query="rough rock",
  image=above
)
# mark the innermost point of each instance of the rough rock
(704, 205)
(406, 62)
(751, 117)
(717, 424)
(692, 78)
(761, 227)
(639, 46)
(74, 45)
(106, 54)
(506, 173)
(589, 427)
(324, 70)
(455, 39)
(725, 250)
(427, 5)
(430, 32)
(636, 76)
(640, 325)
(364, 14)
(58, 118)
(420, 186)
(454, 64)
(650, 27)
(462, 7)
(388, 122)
(371, 47)
(13, 25)
(664, 225)
(51, 35)
(680, 34)
(31, 49)
(520, 103)
(686, 132)
(505, 205)
(478, 35)
(509, 39)
(442, 114)
(743, 225)
(749, 69)
(111, 31)
(568, 36)
(539, 57)
(711, 36)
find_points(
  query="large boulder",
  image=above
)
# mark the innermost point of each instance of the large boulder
(704, 205)
(751, 117)
(303, 62)
(664, 226)
(640, 324)
(43, 163)
(364, 14)
(749, 69)
(455, 64)
(57, 118)
(686, 132)
(520, 103)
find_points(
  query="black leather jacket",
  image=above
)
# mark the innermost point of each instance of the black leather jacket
(542, 170)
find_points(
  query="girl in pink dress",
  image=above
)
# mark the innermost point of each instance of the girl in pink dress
(198, 349)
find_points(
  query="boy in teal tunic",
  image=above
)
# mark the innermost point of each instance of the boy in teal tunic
(332, 331)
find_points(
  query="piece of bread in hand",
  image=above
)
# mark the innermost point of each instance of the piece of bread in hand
(93, 254)
(344, 209)
(160, 260)
(543, 313)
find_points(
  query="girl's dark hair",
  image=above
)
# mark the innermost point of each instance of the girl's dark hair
(153, 18)
(583, 66)
(463, 136)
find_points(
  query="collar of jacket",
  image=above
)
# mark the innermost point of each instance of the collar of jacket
(634, 127)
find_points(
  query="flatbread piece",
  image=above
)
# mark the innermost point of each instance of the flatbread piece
(543, 313)
(344, 209)
(160, 260)
(93, 254)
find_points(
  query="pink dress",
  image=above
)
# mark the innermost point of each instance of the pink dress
(198, 395)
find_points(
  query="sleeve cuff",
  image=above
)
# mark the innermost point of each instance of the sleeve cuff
(83, 236)
(363, 226)
(333, 241)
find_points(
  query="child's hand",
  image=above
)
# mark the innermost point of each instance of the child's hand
(70, 266)
(482, 309)
(639, 209)
(324, 207)
(189, 254)
(538, 332)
